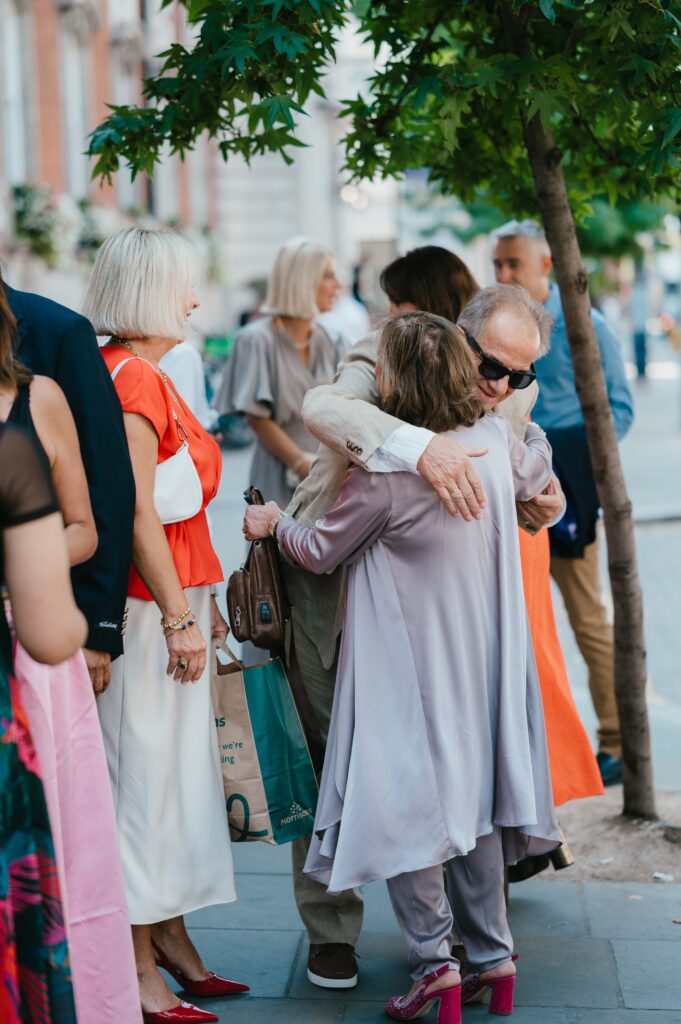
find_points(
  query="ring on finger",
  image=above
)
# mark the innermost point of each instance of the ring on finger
(182, 665)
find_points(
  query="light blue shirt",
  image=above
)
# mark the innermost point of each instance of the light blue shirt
(558, 404)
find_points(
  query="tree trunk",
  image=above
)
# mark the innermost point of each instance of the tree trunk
(630, 654)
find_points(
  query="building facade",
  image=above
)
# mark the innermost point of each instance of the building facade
(62, 62)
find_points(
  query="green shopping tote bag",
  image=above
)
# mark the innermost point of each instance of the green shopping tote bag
(270, 785)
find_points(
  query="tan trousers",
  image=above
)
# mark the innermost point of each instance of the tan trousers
(327, 918)
(579, 582)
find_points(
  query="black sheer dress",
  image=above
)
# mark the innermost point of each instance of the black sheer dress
(35, 973)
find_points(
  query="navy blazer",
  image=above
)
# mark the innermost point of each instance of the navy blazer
(57, 342)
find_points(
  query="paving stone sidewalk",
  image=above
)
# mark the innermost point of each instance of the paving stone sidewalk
(593, 953)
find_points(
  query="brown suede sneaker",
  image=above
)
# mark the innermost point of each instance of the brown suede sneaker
(332, 965)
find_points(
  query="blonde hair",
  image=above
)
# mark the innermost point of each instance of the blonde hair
(427, 375)
(295, 277)
(140, 284)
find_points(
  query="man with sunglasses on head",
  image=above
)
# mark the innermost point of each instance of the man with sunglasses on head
(522, 257)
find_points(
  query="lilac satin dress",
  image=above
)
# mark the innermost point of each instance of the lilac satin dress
(437, 733)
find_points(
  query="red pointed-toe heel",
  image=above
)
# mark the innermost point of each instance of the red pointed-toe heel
(213, 985)
(185, 1013)
(473, 990)
(420, 1001)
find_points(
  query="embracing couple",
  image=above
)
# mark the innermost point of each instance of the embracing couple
(414, 644)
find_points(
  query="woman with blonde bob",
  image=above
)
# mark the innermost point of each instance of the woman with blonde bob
(277, 359)
(436, 753)
(159, 732)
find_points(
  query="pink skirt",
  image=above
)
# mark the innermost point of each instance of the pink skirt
(62, 713)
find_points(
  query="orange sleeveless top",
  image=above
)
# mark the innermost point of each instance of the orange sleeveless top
(142, 390)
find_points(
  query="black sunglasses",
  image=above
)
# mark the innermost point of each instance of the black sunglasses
(492, 369)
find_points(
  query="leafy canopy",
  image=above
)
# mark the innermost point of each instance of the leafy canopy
(250, 69)
(451, 81)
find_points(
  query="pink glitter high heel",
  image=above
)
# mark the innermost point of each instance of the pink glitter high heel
(419, 1002)
(473, 990)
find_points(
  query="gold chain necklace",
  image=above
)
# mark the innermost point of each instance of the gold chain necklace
(124, 343)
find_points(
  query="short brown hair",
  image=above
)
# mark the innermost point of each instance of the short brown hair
(427, 376)
(433, 279)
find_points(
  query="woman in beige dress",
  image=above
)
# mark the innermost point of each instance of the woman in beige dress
(277, 359)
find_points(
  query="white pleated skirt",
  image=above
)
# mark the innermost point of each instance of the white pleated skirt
(161, 748)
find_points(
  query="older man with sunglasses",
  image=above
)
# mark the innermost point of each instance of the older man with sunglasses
(507, 330)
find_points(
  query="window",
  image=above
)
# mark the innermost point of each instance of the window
(14, 92)
(75, 56)
(127, 55)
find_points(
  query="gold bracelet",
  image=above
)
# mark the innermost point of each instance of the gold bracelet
(177, 624)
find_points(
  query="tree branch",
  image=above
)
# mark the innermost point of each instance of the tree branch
(610, 157)
(415, 65)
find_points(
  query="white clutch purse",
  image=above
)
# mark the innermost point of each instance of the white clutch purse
(178, 494)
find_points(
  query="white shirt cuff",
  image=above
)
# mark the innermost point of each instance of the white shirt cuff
(560, 514)
(401, 452)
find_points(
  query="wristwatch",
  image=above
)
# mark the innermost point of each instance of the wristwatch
(275, 523)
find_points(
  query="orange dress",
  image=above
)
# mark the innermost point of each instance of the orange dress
(141, 390)
(574, 771)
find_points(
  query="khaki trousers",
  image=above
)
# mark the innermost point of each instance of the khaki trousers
(579, 582)
(327, 918)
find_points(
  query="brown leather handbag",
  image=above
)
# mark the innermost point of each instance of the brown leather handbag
(257, 605)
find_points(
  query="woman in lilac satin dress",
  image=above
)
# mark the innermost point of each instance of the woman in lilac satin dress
(437, 750)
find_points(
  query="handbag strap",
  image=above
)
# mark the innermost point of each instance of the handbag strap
(116, 369)
(171, 391)
(222, 645)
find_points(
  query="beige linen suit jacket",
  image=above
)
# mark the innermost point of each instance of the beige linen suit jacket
(344, 416)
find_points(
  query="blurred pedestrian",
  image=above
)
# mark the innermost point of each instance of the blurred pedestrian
(638, 308)
(35, 968)
(522, 257)
(159, 733)
(277, 359)
(56, 342)
(442, 664)
(60, 707)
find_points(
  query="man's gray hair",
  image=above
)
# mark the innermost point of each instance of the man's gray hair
(509, 298)
(530, 229)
